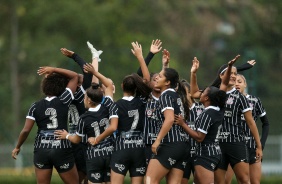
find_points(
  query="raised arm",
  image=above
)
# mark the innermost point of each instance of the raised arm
(195, 92)
(165, 58)
(154, 49)
(105, 81)
(137, 51)
(87, 78)
(72, 76)
(226, 76)
(246, 66)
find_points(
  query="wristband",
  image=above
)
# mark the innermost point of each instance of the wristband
(67, 137)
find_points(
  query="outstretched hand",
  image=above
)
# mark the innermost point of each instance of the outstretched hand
(66, 52)
(156, 46)
(88, 68)
(137, 49)
(195, 65)
(166, 57)
(230, 63)
(252, 62)
(45, 70)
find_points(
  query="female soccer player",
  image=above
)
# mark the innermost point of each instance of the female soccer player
(166, 161)
(77, 108)
(93, 123)
(231, 138)
(258, 112)
(207, 125)
(196, 108)
(129, 111)
(51, 114)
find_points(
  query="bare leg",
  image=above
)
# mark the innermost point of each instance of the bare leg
(70, 177)
(255, 172)
(155, 172)
(137, 180)
(202, 175)
(241, 171)
(219, 176)
(116, 178)
(229, 175)
(43, 176)
(174, 176)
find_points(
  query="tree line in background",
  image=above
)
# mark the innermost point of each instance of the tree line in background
(32, 33)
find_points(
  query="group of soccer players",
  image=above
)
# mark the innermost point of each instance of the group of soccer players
(156, 130)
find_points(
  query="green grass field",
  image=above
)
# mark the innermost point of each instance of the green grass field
(27, 176)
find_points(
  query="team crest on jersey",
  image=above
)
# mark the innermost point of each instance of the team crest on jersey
(149, 112)
(199, 111)
(230, 101)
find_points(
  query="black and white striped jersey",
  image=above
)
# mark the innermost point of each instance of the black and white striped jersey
(76, 109)
(232, 127)
(257, 111)
(130, 112)
(209, 122)
(195, 110)
(169, 99)
(152, 126)
(94, 122)
(51, 114)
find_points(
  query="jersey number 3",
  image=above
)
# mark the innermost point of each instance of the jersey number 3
(51, 112)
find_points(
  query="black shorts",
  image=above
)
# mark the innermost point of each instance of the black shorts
(233, 153)
(148, 153)
(61, 159)
(131, 159)
(98, 169)
(189, 168)
(172, 155)
(79, 152)
(252, 155)
(208, 162)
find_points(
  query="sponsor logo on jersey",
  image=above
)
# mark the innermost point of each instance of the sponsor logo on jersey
(96, 175)
(141, 170)
(138, 142)
(171, 161)
(184, 164)
(223, 135)
(252, 106)
(120, 167)
(39, 165)
(228, 113)
(213, 166)
(65, 166)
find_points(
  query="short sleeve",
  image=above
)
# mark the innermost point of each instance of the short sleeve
(31, 111)
(80, 128)
(166, 102)
(66, 97)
